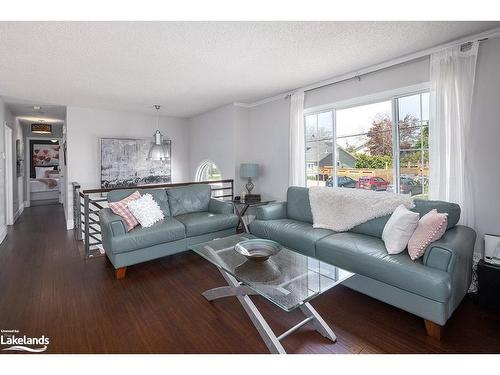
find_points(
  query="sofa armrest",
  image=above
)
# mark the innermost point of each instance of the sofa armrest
(273, 211)
(111, 223)
(453, 250)
(217, 206)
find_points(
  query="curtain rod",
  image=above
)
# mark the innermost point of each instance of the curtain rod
(493, 33)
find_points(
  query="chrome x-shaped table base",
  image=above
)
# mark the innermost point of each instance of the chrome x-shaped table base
(242, 292)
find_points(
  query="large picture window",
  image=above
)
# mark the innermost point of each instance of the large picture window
(377, 144)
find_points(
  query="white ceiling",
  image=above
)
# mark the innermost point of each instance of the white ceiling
(26, 112)
(191, 67)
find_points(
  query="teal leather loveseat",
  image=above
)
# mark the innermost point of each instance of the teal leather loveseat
(191, 216)
(431, 287)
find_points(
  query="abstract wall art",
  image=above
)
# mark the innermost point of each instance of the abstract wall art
(124, 163)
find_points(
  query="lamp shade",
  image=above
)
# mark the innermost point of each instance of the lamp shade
(158, 151)
(249, 170)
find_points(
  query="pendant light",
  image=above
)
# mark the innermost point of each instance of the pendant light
(158, 151)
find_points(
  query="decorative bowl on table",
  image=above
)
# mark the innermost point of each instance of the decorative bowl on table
(258, 250)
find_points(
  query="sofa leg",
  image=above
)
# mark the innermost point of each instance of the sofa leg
(433, 329)
(120, 273)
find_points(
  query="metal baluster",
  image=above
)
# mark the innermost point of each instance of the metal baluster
(86, 224)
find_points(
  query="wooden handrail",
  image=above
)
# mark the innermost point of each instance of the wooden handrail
(155, 186)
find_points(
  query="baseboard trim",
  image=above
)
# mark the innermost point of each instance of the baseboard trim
(26, 203)
(3, 233)
(19, 212)
(70, 224)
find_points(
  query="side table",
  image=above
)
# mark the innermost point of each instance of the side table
(241, 207)
(488, 279)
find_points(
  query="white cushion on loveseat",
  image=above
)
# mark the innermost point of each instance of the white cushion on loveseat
(146, 210)
(399, 229)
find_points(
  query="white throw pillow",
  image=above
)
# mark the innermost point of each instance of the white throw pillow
(145, 210)
(399, 229)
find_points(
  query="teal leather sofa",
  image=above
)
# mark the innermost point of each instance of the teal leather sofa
(431, 287)
(191, 217)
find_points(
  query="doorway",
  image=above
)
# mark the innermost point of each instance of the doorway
(43, 170)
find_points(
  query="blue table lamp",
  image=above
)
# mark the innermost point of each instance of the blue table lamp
(249, 171)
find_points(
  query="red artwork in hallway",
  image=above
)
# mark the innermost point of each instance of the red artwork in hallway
(45, 155)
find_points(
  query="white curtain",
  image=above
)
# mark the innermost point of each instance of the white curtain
(452, 74)
(297, 164)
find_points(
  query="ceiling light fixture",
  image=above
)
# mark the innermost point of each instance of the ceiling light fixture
(41, 128)
(158, 151)
(37, 107)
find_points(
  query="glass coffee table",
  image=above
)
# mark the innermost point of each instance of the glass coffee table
(288, 279)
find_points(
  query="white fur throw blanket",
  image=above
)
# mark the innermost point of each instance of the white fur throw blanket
(340, 209)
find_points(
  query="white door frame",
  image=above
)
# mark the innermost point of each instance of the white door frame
(27, 202)
(9, 177)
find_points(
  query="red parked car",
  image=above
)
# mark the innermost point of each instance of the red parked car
(372, 183)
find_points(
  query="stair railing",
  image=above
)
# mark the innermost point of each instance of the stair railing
(87, 204)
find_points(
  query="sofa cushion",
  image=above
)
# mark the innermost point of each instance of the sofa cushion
(293, 234)
(298, 206)
(376, 226)
(367, 256)
(167, 230)
(118, 195)
(198, 223)
(452, 209)
(159, 195)
(187, 199)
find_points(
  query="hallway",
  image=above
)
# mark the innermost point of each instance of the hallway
(47, 288)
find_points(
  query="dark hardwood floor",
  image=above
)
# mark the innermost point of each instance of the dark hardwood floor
(46, 288)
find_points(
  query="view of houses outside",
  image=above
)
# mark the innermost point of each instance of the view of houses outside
(364, 146)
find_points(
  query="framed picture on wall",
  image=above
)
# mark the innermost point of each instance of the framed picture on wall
(124, 163)
(43, 154)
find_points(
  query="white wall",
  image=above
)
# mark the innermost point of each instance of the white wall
(18, 182)
(6, 117)
(3, 226)
(86, 125)
(232, 135)
(212, 137)
(268, 144)
(485, 140)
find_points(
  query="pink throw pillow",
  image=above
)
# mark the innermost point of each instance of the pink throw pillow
(431, 227)
(120, 208)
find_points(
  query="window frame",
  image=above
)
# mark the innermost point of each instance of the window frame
(319, 140)
(393, 96)
(201, 168)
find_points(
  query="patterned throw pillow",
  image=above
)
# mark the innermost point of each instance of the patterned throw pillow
(120, 208)
(431, 227)
(146, 210)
